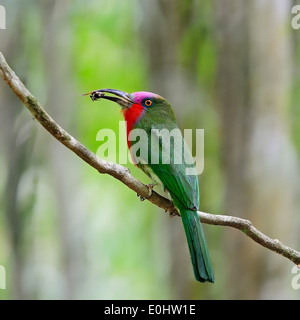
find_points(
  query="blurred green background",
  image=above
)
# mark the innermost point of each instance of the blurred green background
(230, 67)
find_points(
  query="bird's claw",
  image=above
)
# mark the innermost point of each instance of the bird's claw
(172, 213)
(150, 188)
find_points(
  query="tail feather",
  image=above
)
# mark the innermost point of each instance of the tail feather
(197, 246)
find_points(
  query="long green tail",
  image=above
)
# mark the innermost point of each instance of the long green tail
(197, 245)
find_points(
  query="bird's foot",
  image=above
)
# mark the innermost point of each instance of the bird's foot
(150, 188)
(172, 213)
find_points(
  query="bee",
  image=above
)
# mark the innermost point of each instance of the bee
(95, 95)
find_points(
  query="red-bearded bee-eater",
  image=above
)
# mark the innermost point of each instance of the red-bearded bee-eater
(152, 113)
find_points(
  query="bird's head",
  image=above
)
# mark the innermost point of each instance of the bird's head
(136, 105)
(126, 100)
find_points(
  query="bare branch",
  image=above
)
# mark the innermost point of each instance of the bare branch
(123, 174)
(247, 227)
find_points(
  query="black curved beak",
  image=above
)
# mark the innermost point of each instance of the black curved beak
(122, 98)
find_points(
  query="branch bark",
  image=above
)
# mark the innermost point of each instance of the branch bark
(123, 174)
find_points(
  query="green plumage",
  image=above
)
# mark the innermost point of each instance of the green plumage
(183, 189)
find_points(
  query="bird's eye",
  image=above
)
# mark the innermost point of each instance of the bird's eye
(148, 103)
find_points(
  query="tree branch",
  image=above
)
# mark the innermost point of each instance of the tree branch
(123, 174)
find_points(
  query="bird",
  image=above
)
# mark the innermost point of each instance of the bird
(153, 114)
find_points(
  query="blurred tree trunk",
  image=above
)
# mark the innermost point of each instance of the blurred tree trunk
(17, 139)
(57, 56)
(261, 173)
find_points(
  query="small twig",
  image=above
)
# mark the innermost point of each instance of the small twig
(123, 174)
(247, 227)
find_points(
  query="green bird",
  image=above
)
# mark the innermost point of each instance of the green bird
(166, 160)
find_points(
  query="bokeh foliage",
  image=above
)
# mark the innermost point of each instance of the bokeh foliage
(80, 234)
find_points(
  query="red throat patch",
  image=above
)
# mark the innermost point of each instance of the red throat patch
(132, 115)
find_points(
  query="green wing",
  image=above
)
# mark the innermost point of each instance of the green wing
(183, 188)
